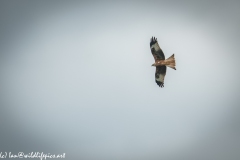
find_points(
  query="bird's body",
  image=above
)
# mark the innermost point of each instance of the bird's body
(163, 63)
(160, 62)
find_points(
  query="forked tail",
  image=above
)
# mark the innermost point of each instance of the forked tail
(170, 62)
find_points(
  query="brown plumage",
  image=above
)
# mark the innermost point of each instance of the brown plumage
(160, 62)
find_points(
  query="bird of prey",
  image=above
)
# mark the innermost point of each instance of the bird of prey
(160, 62)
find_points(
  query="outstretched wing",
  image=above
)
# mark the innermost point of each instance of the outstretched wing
(160, 74)
(156, 50)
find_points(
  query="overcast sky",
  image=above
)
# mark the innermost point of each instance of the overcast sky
(76, 78)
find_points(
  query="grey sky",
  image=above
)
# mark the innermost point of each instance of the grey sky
(76, 77)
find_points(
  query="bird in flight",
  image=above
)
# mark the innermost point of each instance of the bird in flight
(160, 62)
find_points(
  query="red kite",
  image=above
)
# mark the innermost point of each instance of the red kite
(160, 62)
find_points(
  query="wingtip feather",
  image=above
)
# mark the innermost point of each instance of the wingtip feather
(160, 84)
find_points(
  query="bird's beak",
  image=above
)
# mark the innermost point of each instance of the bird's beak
(152, 64)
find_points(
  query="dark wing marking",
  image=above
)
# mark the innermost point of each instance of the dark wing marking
(160, 75)
(156, 50)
